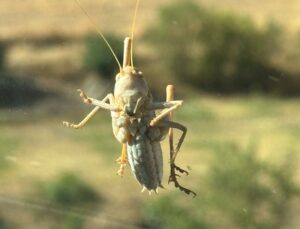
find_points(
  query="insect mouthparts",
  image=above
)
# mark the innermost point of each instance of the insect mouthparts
(129, 111)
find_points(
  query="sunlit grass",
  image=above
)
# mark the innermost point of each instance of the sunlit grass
(240, 120)
(8, 145)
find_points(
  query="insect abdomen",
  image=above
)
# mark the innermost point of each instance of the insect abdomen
(145, 159)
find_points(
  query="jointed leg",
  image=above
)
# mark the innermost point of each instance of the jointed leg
(180, 141)
(174, 152)
(178, 126)
(169, 106)
(88, 100)
(100, 103)
(122, 160)
(165, 112)
(84, 121)
(170, 96)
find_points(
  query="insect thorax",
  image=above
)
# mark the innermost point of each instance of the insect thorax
(131, 90)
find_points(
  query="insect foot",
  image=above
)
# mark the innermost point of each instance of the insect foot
(173, 178)
(72, 125)
(121, 170)
(122, 162)
(180, 169)
(67, 124)
(86, 99)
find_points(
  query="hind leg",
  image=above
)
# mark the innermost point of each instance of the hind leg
(174, 152)
(168, 123)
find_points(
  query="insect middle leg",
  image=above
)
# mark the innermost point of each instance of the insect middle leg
(167, 107)
(122, 160)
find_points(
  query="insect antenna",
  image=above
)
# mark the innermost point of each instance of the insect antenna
(133, 28)
(100, 33)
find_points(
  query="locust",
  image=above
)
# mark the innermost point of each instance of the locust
(139, 123)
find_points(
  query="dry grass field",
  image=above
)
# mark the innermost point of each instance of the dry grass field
(40, 18)
(25, 22)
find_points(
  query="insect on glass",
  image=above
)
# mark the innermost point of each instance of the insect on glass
(137, 124)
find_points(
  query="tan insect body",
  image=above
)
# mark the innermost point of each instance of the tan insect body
(136, 125)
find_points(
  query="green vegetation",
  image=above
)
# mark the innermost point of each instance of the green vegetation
(70, 190)
(167, 213)
(73, 222)
(72, 197)
(239, 190)
(248, 193)
(97, 56)
(220, 52)
(3, 224)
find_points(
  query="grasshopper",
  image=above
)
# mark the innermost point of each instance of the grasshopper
(137, 125)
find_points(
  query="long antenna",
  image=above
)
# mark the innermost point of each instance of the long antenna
(133, 27)
(100, 33)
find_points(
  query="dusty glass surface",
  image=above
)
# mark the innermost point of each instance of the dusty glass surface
(236, 65)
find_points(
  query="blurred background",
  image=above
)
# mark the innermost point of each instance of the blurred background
(236, 64)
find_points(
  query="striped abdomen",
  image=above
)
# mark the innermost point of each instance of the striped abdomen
(145, 159)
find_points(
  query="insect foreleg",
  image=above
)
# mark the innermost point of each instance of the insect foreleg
(84, 121)
(88, 100)
(101, 103)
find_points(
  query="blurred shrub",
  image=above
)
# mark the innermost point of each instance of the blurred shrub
(248, 193)
(216, 51)
(17, 91)
(98, 58)
(70, 190)
(3, 224)
(6, 223)
(73, 222)
(2, 55)
(239, 191)
(166, 213)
